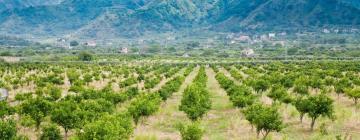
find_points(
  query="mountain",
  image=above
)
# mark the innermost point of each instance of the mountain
(354, 3)
(113, 18)
(18, 4)
(270, 14)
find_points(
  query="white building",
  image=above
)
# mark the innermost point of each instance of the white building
(4, 94)
(272, 35)
(248, 52)
(326, 31)
(186, 55)
(124, 50)
(264, 37)
(91, 43)
(243, 38)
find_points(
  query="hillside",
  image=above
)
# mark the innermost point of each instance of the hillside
(110, 18)
(19, 4)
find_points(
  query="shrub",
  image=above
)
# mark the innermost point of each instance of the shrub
(109, 127)
(191, 132)
(7, 129)
(144, 105)
(265, 119)
(50, 132)
(353, 94)
(195, 101)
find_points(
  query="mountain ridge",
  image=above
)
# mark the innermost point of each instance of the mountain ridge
(128, 18)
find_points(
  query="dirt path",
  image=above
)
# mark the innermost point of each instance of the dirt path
(263, 98)
(165, 80)
(224, 121)
(227, 73)
(162, 125)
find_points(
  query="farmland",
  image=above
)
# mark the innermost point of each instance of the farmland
(178, 100)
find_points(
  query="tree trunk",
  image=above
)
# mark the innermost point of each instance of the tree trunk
(257, 134)
(356, 101)
(312, 123)
(66, 134)
(266, 134)
(301, 117)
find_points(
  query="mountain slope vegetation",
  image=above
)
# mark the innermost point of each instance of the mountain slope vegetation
(135, 17)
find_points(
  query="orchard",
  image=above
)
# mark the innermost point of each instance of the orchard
(189, 101)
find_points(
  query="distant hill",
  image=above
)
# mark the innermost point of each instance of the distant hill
(112, 18)
(13, 4)
(13, 41)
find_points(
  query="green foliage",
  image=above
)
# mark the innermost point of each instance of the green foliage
(74, 43)
(234, 73)
(5, 109)
(108, 127)
(191, 131)
(320, 105)
(353, 94)
(85, 56)
(195, 102)
(66, 115)
(53, 92)
(188, 70)
(341, 85)
(240, 96)
(93, 109)
(315, 106)
(151, 82)
(301, 105)
(259, 85)
(132, 92)
(278, 93)
(154, 49)
(73, 75)
(301, 89)
(50, 132)
(265, 119)
(37, 109)
(7, 129)
(196, 99)
(301, 86)
(170, 87)
(144, 105)
(50, 79)
(88, 78)
(128, 82)
(105, 93)
(27, 121)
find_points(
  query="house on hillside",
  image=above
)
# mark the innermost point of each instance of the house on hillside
(243, 38)
(90, 43)
(326, 31)
(272, 35)
(264, 37)
(281, 43)
(124, 50)
(248, 52)
(4, 94)
(186, 55)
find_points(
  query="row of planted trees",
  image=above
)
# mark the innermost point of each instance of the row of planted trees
(266, 118)
(195, 103)
(148, 104)
(84, 113)
(284, 83)
(74, 112)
